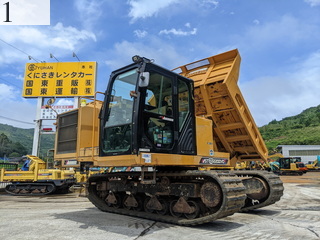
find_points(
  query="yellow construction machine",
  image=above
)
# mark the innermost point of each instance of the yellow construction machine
(159, 128)
(34, 179)
(288, 166)
(314, 165)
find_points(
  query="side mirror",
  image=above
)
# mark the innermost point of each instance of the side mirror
(144, 79)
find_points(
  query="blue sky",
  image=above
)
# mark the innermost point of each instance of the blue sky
(278, 40)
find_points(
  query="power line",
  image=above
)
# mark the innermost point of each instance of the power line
(11, 119)
(10, 83)
(29, 56)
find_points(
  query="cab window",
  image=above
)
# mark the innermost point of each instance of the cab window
(158, 111)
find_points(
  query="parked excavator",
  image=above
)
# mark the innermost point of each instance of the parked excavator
(164, 129)
(314, 165)
(288, 166)
(33, 179)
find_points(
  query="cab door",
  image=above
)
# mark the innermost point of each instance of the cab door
(167, 114)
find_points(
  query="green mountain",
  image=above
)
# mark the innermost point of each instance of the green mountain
(302, 129)
(11, 138)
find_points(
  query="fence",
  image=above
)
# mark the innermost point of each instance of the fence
(9, 166)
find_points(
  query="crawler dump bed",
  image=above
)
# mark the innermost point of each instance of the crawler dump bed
(218, 97)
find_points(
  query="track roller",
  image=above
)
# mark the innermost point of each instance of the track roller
(185, 198)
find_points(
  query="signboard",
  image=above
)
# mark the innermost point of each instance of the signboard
(48, 113)
(59, 79)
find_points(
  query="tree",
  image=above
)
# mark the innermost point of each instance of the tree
(14, 154)
(7, 147)
(4, 144)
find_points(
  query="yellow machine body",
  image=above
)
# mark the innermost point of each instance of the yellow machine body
(225, 128)
(36, 172)
(163, 137)
(44, 181)
(313, 166)
(77, 136)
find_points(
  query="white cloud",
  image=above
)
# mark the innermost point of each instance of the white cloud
(63, 101)
(89, 11)
(140, 33)
(313, 3)
(276, 97)
(18, 114)
(178, 32)
(88, 7)
(11, 75)
(6, 92)
(287, 30)
(13, 107)
(163, 53)
(69, 37)
(147, 8)
(256, 22)
(209, 3)
(292, 91)
(39, 42)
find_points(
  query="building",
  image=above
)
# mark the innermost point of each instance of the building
(306, 152)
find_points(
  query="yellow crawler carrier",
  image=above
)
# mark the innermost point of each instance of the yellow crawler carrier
(161, 128)
(37, 180)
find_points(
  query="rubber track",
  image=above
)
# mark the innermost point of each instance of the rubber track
(274, 183)
(233, 197)
(30, 193)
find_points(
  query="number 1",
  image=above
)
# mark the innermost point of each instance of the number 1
(7, 11)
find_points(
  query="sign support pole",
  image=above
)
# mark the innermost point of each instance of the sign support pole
(37, 128)
(75, 102)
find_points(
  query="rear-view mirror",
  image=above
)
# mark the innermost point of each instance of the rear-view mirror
(144, 79)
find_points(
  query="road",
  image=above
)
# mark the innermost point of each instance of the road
(70, 216)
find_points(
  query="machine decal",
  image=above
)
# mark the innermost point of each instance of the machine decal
(146, 157)
(144, 150)
(211, 152)
(70, 162)
(213, 161)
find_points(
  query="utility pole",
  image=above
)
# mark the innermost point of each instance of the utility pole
(37, 128)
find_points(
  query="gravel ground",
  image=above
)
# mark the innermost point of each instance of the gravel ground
(70, 216)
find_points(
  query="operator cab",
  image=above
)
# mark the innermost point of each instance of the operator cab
(147, 108)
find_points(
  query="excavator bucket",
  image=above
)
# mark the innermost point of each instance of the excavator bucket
(218, 97)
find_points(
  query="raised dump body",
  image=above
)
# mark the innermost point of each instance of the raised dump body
(218, 97)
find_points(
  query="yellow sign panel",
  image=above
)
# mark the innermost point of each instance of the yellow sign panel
(59, 79)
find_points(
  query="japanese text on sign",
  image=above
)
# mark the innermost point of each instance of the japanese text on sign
(61, 79)
(48, 113)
